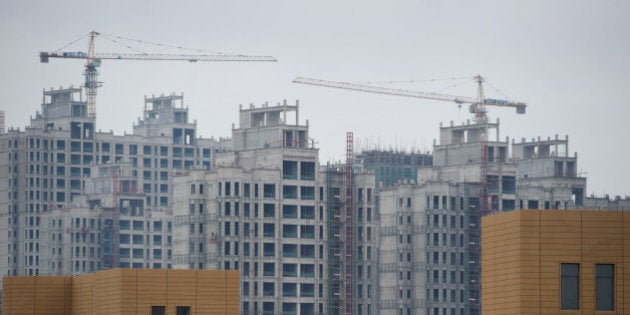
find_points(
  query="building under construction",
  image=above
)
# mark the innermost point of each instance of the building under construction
(409, 247)
(430, 229)
(261, 210)
(392, 166)
(382, 232)
(61, 167)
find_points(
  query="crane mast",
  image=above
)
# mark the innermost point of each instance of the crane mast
(91, 75)
(480, 109)
(93, 62)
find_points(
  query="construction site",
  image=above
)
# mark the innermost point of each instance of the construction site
(379, 232)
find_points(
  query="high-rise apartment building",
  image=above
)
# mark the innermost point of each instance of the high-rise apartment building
(261, 210)
(434, 225)
(46, 166)
(76, 200)
(106, 227)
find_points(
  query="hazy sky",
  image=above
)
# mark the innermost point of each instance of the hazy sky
(569, 60)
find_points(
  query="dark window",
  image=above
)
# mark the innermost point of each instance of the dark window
(269, 269)
(570, 286)
(308, 212)
(269, 191)
(289, 192)
(307, 193)
(605, 287)
(289, 211)
(269, 230)
(269, 210)
(307, 170)
(269, 249)
(268, 307)
(158, 310)
(268, 289)
(289, 169)
(183, 310)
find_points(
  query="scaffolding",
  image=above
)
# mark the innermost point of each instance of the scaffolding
(348, 239)
(340, 234)
(334, 203)
(2, 130)
(474, 250)
(476, 210)
(110, 237)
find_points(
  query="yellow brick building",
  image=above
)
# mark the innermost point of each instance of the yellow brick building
(124, 292)
(556, 262)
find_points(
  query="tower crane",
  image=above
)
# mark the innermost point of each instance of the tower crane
(477, 107)
(477, 104)
(93, 62)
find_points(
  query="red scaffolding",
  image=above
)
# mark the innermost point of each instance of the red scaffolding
(348, 239)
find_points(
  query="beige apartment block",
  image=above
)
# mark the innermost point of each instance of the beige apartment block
(124, 291)
(556, 262)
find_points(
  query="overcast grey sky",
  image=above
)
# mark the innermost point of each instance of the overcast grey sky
(569, 60)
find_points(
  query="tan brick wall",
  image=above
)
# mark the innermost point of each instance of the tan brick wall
(522, 252)
(124, 292)
(36, 295)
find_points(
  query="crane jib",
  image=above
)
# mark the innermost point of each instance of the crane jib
(476, 105)
(44, 57)
(93, 60)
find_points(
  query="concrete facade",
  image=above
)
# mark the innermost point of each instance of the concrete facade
(261, 210)
(47, 165)
(401, 268)
(440, 214)
(124, 291)
(107, 227)
(77, 201)
(391, 167)
(363, 240)
(526, 252)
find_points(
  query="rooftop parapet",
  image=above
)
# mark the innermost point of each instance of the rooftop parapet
(468, 133)
(542, 148)
(271, 127)
(266, 116)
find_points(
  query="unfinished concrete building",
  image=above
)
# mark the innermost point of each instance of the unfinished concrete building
(433, 225)
(391, 166)
(607, 202)
(547, 175)
(47, 165)
(106, 227)
(353, 239)
(261, 203)
(261, 210)
(401, 263)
